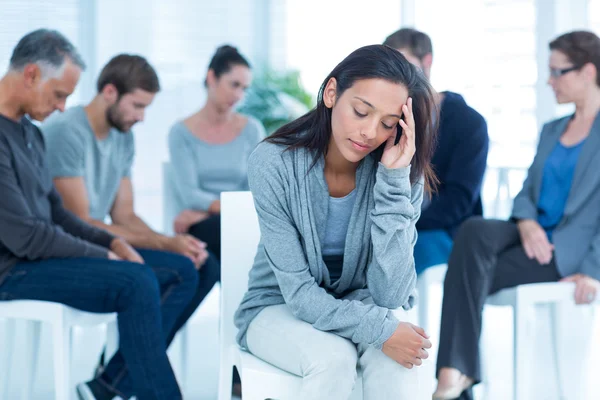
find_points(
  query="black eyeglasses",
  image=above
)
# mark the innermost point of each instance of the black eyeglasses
(558, 72)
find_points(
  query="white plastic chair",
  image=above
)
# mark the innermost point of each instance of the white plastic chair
(240, 234)
(432, 275)
(62, 319)
(524, 299)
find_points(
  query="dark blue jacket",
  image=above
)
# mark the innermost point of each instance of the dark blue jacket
(459, 162)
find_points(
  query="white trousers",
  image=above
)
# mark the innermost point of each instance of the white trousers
(328, 363)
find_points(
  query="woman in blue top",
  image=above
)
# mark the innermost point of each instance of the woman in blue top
(554, 232)
(337, 197)
(209, 150)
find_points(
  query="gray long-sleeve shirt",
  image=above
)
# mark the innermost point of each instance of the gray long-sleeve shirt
(291, 203)
(203, 170)
(34, 225)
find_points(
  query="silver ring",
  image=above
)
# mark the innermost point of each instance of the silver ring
(590, 297)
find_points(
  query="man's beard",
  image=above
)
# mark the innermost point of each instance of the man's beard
(114, 120)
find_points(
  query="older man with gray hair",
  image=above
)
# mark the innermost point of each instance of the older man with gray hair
(47, 253)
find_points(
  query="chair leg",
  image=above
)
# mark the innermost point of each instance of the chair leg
(524, 330)
(555, 326)
(423, 306)
(33, 338)
(183, 333)
(225, 379)
(7, 354)
(572, 335)
(112, 340)
(61, 337)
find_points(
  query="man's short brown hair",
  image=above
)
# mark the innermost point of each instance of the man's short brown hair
(129, 72)
(417, 42)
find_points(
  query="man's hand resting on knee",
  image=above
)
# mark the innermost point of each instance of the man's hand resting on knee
(407, 345)
(121, 250)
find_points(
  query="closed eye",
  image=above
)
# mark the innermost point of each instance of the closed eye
(387, 127)
(359, 114)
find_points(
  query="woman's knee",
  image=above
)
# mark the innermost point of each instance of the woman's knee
(336, 366)
(476, 231)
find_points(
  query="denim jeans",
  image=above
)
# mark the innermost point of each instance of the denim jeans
(149, 300)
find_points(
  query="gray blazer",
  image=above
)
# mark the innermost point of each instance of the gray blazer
(577, 236)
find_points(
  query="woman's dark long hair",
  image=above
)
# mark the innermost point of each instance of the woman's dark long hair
(313, 130)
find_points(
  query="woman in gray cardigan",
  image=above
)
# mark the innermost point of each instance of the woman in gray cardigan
(554, 232)
(338, 193)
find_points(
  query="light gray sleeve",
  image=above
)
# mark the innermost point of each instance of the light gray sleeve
(65, 150)
(257, 135)
(391, 276)
(129, 156)
(359, 322)
(185, 172)
(591, 262)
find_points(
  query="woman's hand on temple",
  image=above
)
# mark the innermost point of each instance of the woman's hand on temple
(400, 155)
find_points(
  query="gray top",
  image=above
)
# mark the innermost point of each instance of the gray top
(73, 150)
(34, 225)
(336, 229)
(292, 205)
(202, 171)
(576, 238)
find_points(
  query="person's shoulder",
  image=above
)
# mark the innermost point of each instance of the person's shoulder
(71, 118)
(68, 126)
(459, 116)
(270, 153)
(459, 107)
(553, 124)
(252, 122)
(177, 133)
(178, 128)
(253, 128)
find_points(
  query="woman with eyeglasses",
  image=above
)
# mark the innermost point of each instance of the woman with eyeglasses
(554, 231)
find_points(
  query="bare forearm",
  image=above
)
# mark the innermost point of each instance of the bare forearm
(134, 231)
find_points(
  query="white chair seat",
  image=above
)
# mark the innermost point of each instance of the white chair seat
(536, 293)
(281, 383)
(62, 319)
(524, 300)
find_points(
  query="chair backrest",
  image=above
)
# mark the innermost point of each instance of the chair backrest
(170, 203)
(240, 234)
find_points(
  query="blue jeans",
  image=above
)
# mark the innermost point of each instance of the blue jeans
(432, 248)
(150, 299)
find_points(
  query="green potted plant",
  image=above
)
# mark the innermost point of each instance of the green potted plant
(276, 98)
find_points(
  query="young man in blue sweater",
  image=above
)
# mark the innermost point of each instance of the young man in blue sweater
(459, 160)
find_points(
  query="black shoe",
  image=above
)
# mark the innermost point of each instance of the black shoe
(94, 390)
